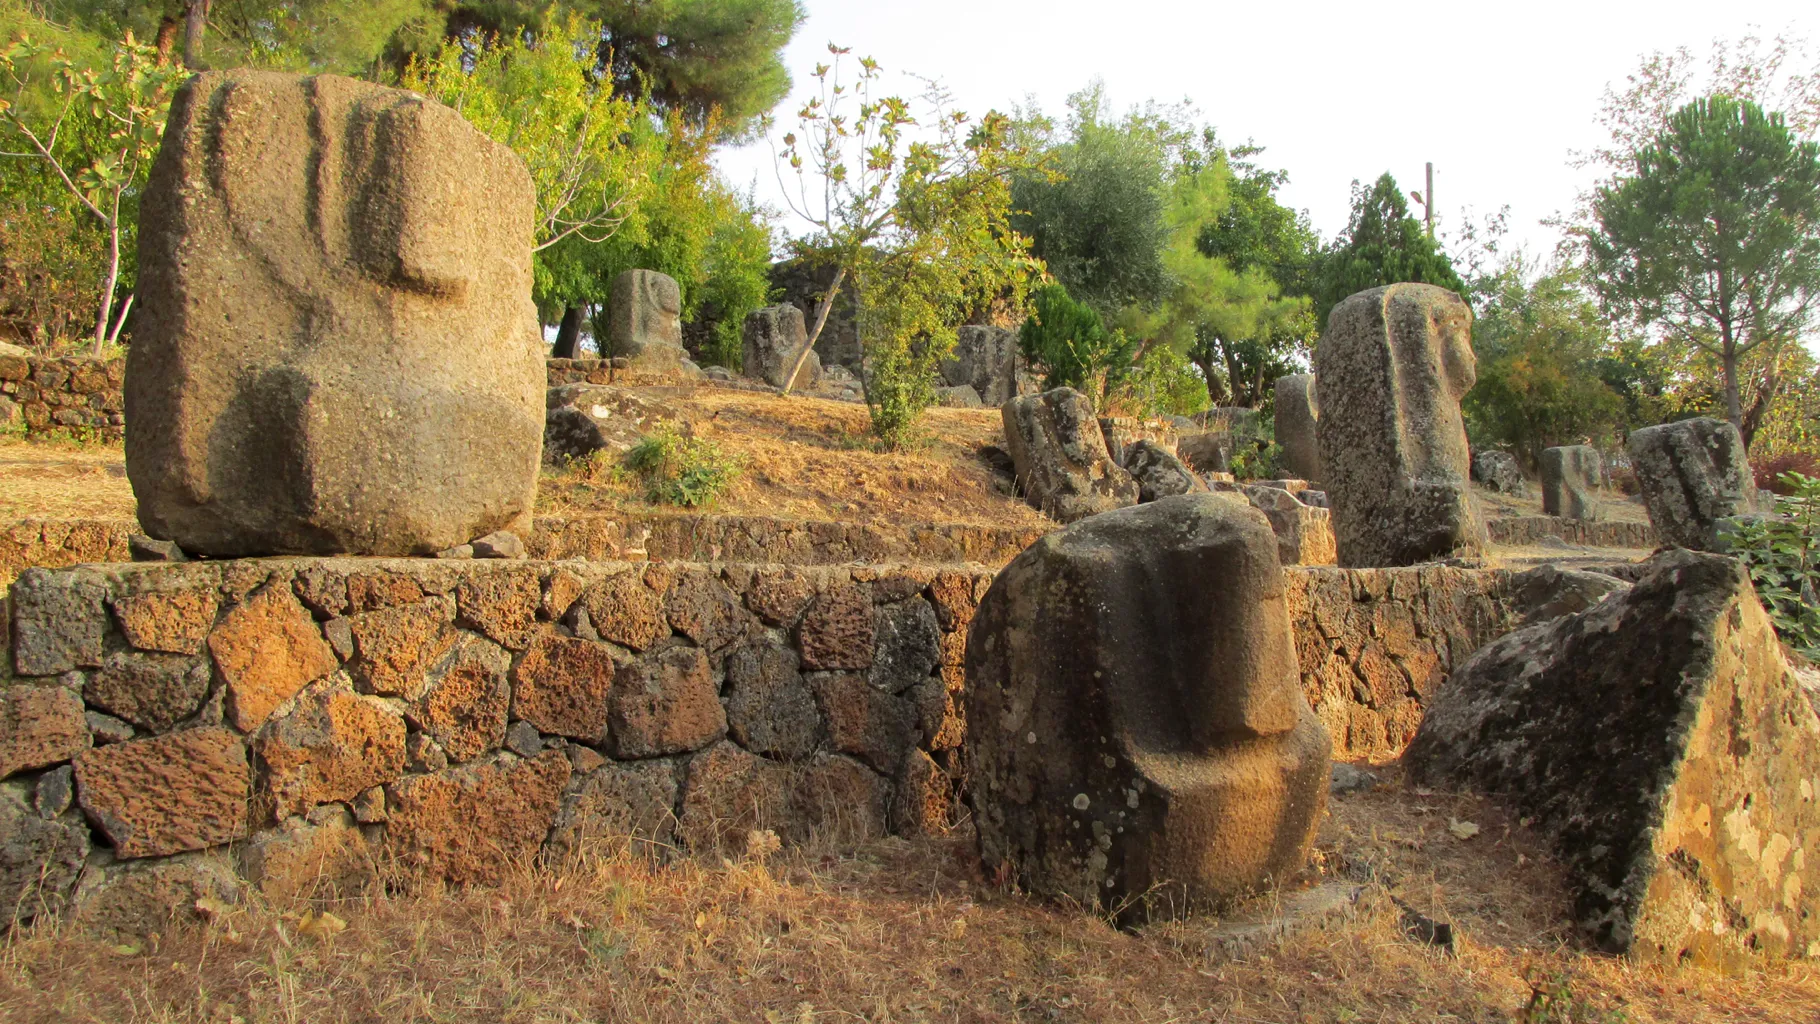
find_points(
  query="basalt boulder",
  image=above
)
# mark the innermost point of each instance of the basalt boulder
(334, 347)
(1693, 473)
(1137, 736)
(1663, 742)
(1063, 467)
(1297, 412)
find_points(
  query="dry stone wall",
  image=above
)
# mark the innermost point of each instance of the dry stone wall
(312, 717)
(1520, 531)
(42, 394)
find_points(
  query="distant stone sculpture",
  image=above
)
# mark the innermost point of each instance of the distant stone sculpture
(985, 359)
(1297, 413)
(1693, 473)
(1138, 740)
(774, 339)
(1571, 475)
(1499, 472)
(1209, 452)
(335, 348)
(1159, 474)
(1393, 366)
(1304, 532)
(644, 320)
(1062, 464)
(1667, 748)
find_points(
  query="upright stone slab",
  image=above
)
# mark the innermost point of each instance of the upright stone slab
(1297, 413)
(644, 320)
(335, 349)
(1662, 741)
(1060, 456)
(1693, 474)
(985, 359)
(1393, 366)
(774, 339)
(1137, 736)
(1571, 476)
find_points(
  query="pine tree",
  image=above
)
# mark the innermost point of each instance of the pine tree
(1382, 245)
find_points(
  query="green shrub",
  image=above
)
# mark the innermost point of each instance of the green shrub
(1259, 460)
(1782, 553)
(1072, 347)
(681, 470)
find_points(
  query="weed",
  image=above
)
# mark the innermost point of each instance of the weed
(1552, 1001)
(1782, 553)
(678, 469)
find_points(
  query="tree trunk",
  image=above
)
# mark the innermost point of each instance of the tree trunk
(195, 24)
(167, 38)
(106, 317)
(821, 320)
(1759, 406)
(1734, 409)
(568, 335)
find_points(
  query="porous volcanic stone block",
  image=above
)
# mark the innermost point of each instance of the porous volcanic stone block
(625, 611)
(865, 721)
(665, 703)
(333, 744)
(267, 648)
(476, 824)
(40, 726)
(464, 710)
(39, 859)
(503, 605)
(334, 347)
(1570, 481)
(1060, 456)
(1693, 474)
(726, 792)
(616, 804)
(1393, 366)
(837, 631)
(58, 621)
(907, 645)
(770, 710)
(1668, 749)
(183, 791)
(175, 621)
(1304, 532)
(1137, 738)
(394, 648)
(563, 686)
(1297, 412)
(307, 859)
(152, 691)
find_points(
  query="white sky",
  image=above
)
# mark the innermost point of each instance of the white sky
(1494, 94)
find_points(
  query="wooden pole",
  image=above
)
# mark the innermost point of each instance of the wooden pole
(1428, 208)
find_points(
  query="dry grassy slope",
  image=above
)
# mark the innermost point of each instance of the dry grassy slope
(892, 931)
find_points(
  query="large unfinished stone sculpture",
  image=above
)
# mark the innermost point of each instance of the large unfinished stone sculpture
(336, 349)
(1667, 748)
(1059, 451)
(645, 320)
(1136, 729)
(1393, 366)
(1571, 475)
(1297, 412)
(1693, 474)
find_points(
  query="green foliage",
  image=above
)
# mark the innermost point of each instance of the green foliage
(1782, 553)
(1552, 1001)
(1382, 245)
(1541, 348)
(1068, 344)
(1161, 383)
(678, 469)
(922, 229)
(1094, 208)
(736, 277)
(718, 62)
(95, 135)
(1713, 237)
(1261, 460)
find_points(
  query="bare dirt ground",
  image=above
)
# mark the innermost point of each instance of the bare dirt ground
(63, 480)
(897, 930)
(1615, 506)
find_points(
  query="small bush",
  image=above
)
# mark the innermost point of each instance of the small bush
(1259, 460)
(1782, 553)
(681, 470)
(1072, 348)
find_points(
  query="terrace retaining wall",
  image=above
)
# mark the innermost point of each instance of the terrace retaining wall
(44, 394)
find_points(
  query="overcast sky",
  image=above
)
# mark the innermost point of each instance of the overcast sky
(1495, 94)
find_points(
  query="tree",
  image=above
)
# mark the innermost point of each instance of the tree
(98, 143)
(1382, 245)
(1713, 237)
(1073, 348)
(1540, 344)
(1094, 208)
(359, 37)
(921, 228)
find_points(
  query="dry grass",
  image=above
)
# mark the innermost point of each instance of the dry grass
(63, 480)
(890, 930)
(1615, 506)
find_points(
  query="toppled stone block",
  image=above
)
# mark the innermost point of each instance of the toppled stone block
(1693, 473)
(644, 320)
(1060, 453)
(40, 726)
(386, 397)
(1135, 740)
(150, 549)
(581, 419)
(1571, 476)
(1499, 472)
(333, 744)
(1297, 412)
(1393, 366)
(1664, 743)
(1159, 474)
(476, 824)
(168, 794)
(774, 338)
(1208, 452)
(959, 396)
